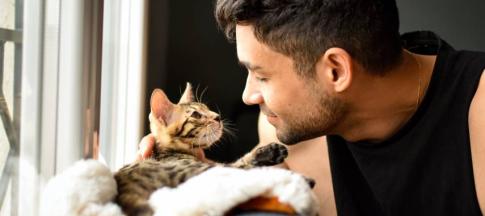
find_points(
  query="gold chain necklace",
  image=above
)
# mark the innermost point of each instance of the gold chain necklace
(418, 98)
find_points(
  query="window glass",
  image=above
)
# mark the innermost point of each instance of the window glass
(10, 69)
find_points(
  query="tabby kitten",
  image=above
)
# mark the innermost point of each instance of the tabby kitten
(178, 130)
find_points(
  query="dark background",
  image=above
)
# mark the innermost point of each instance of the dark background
(184, 45)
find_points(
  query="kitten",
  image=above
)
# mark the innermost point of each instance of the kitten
(178, 130)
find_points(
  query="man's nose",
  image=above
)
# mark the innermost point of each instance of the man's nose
(251, 95)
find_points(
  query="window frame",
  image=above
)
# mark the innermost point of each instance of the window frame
(123, 81)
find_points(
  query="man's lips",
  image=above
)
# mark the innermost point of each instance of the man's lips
(272, 119)
(270, 115)
(267, 112)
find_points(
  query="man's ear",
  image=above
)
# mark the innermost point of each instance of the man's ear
(335, 66)
(187, 96)
(160, 105)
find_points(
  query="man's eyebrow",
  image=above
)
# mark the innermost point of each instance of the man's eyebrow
(249, 66)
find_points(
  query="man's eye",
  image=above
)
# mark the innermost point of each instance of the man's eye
(260, 79)
(196, 115)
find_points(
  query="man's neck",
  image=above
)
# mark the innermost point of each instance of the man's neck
(384, 104)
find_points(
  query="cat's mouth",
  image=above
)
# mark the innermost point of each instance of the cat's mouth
(199, 146)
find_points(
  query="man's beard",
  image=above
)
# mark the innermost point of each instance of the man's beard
(312, 123)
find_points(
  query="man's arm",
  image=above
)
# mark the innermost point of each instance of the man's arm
(476, 121)
(309, 158)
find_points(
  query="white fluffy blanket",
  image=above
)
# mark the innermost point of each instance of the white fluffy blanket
(88, 188)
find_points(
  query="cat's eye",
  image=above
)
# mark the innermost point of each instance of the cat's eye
(196, 115)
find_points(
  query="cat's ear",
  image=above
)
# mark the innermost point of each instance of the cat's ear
(187, 96)
(160, 105)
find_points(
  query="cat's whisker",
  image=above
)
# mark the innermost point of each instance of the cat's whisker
(195, 95)
(226, 123)
(207, 139)
(223, 139)
(220, 140)
(181, 90)
(215, 145)
(228, 138)
(202, 94)
(229, 125)
(218, 110)
(229, 130)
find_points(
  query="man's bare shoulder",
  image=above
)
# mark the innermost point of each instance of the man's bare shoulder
(477, 140)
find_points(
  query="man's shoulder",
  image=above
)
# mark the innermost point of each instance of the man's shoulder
(477, 140)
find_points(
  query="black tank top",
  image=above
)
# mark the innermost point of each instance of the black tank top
(426, 167)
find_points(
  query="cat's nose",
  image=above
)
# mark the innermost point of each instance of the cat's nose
(217, 118)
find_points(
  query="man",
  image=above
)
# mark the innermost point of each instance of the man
(402, 115)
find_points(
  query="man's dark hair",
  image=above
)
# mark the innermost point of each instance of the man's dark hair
(304, 29)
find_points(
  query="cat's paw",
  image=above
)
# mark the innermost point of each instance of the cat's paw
(270, 154)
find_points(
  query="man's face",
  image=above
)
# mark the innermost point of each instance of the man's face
(299, 108)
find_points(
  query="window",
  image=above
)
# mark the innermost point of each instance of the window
(10, 77)
(68, 69)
